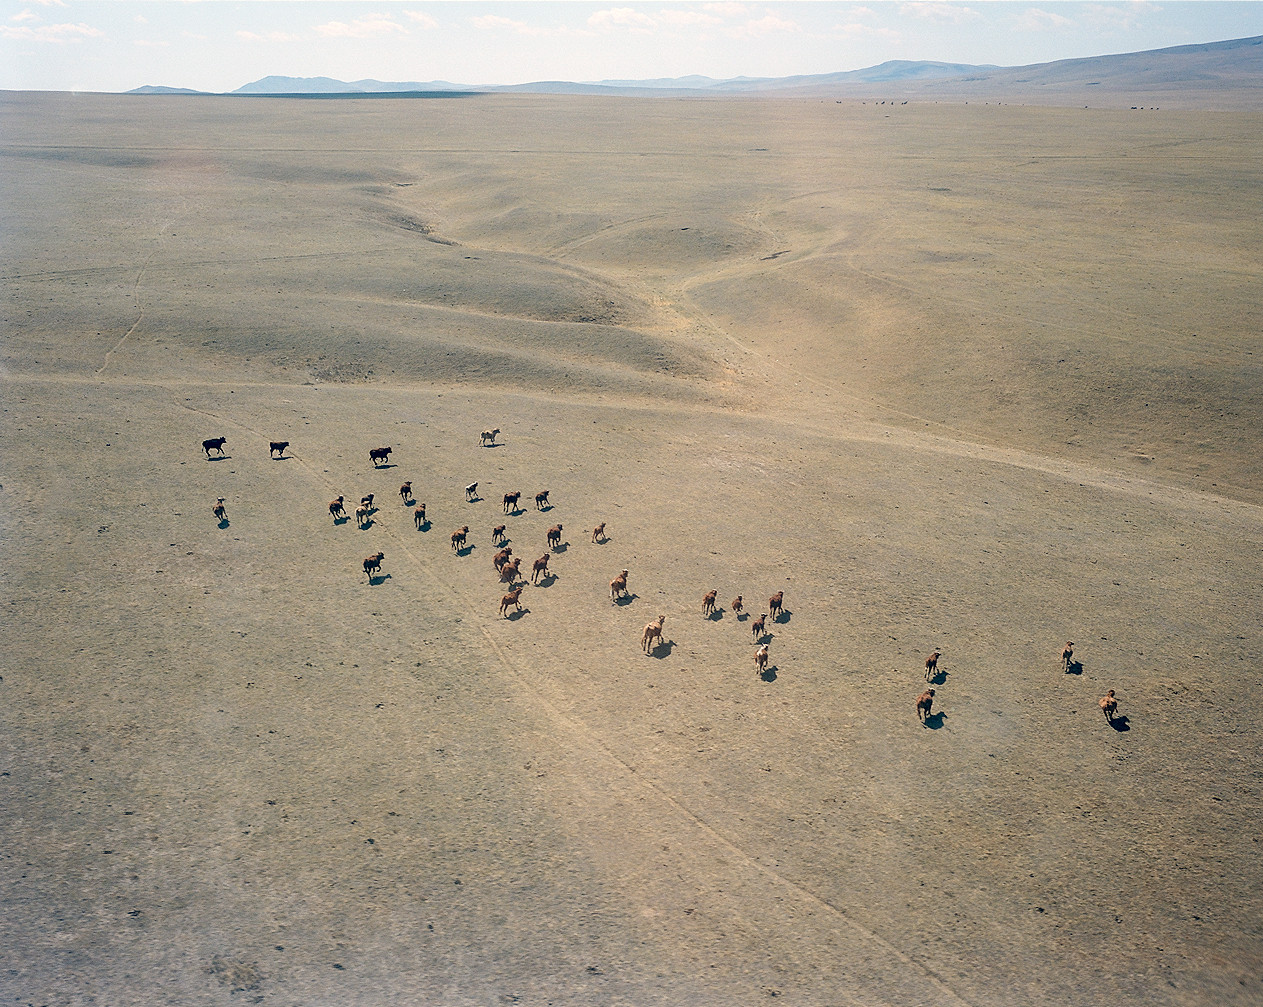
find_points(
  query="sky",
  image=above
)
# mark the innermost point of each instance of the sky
(219, 45)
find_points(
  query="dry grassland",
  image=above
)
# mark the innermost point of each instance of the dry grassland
(974, 378)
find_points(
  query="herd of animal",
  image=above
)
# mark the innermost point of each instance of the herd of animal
(508, 568)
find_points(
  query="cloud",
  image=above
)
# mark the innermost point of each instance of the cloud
(943, 12)
(51, 3)
(758, 27)
(856, 30)
(623, 17)
(141, 19)
(1035, 19)
(421, 18)
(369, 26)
(1117, 17)
(52, 33)
(26, 15)
(730, 10)
(494, 22)
(271, 36)
(674, 17)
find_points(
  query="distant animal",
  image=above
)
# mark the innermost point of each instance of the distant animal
(471, 491)
(336, 510)
(376, 455)
(405, 492)
(418, 516)
(708, 602)
(278, 448)
(931, 665)
(219, 510)
(737, 606)
(760, 660)
(618, 586)
(1109, 705)
(488, 436)
(1067, 656)
(509, 572)
(652, 632)
(502, 557)
(541, 499)
(512, 598)
(598, 533)
(554, 536)
(924, 702)
(214, 444)
(756, 627)
(510, 501)
(458, 538)
(373, 564)
(539, 567)
(497, 535)
(362, 513)
(367, 501)
(774, 604)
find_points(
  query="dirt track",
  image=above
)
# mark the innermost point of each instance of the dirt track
(236, 771)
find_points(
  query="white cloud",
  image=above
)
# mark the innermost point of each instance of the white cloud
(674, 17)
(945, 12)
(1035, 19)
(52, 33)
(856, 30)
(26, 15)
(731, 10)
(1117, 17)
(51, 3)
(141, 19)
(271, 36)
(623, 17)
(494, 22)
(767, 25)
(421, 18)
(369, 26)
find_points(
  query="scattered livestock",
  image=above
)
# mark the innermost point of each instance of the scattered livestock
(336, 510)
(925, 702)
(418, 516)
(652, 632)
(541, 500)
(554, 537)
(405, 492)
(497, 535)
(488, 437)
(509, 572)
(471, 491)
(756, 627)
(737, 606)
(367, 501)
(510, 501)
(760, 661)
(1067, 655)
(774, 604)
(214, 444)
(373, 564)
(618, 586)
(458, 538)
(219, 510)
(1109, 706)
(512, 598)
(278, 448)
(931, 665)
(540, 566)
(362, 513)
(598, 533)
(708, 602)
(376, 455)
(502, 557)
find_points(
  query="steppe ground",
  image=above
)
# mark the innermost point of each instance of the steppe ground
(980, 378)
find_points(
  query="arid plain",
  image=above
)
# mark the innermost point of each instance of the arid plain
(975, 378)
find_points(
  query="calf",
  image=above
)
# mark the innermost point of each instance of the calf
(618, 586)
(541, 500)
(540, 566)
(774, 604)
(458, 538)
(708, 602)
(652, 632)
(1109, 705)
(512, 598)
(373, 564)
(510, 501)
(336, 510)
(376, 455)
(502, 557)
(756, 627)
(924, 703)
(214, 444)
(418, 516)
(509, 572)
(931, 665)
(471, 491)
(554, 536)
(760, 661)
(278, 448)
(1067, 655)
(405, 492)
(219, 510)
(737, 606)
(488, 437)
(598, 533)
(497, 535)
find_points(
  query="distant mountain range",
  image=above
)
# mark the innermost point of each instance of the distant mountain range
(1230, 71)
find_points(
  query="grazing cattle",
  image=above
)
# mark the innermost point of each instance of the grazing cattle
(509, 572)
(924, 702)
(1109, 705)
(1067, 656)
(737, 606)
(510, 501)
(512, 598)
(367, 501)
(471, 491)
(362, 515)
(219, 510)
(541, 500)
(405, 492)
(214, 444)
(458, 538)
(418, 516)
(618, 586)
(376, 455)
(497, 535)
(336, 510)
(502, 557)
(373, 564)
(488, 437)
(708, 602)
(598, 533)
(278, 448)
(554, 536)
(774, 604)
(652, 632)
(540, 566)
(931, 665)
(756, 627)
(760, 661)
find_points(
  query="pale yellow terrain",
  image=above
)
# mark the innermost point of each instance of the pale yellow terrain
(973, 378)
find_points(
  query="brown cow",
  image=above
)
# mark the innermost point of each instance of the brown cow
(367, 501)
(512, 598)
(924, 703)
(362, 513)
(502, 557)
(509, 572)
(554, 536)
(760, 661)
(405, 492)
(418, 516)
(598, 533)
(336, 510)
(737, 606)
(652, 632)
(1067, 655)
(708, 602)
(1109, 706)
(774, 604)
(510, 501)
(497, 535)
(618, 586)
(756, 627)
(541, 500)
(931, 665)
(488, 437)
(538, 567)
(458, 538)
(219, 510)
(373, 564)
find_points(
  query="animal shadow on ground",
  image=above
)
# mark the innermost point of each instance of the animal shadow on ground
(341, 520)
(548, 580)
(742, 616)
(768, 674)
(223, 523)
(473, 499)
(515, 512)
(385, 465)
(516, 614)
(281, 458)
(716, 615)
(938, 678)
(935, 720)
(425, 525)
(1121, 724)
(662, 649)
(545, 509)
(765, 638)
(1074, 668)
(784, 615)
(465, 550)
(625, 599)
(220, 458)
(380, 578)
(561, 547)
(368, 523)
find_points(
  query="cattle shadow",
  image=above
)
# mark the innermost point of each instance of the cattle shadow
(716, 615)
(768, 674)
(548, 580)
(366, 524)
(784, 615)
(474, 499)
(223, 523)
(1121, 724)
(934, 721)
(385, 465)
(515, 512)
(219, 458)
(281, 458)
(409, 501)
(763, 638)
(1074, 668)
(662, 649)
(603, 540)
(492, 444)
(545, 509)
(377, 579)
(625, 599)
(742, 616)
(561, 547)
(465, 550)
(516, 614)
(938, 678)
(340, 520)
